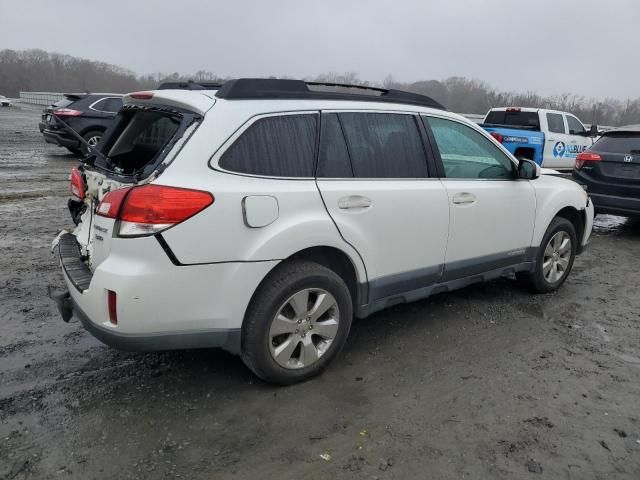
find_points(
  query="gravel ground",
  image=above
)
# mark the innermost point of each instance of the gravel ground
(486, 382)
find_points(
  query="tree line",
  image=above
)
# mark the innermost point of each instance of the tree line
(38, 70)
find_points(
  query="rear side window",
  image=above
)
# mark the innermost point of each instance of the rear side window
(555, 122)
(333, 161)
(278, 146)
(108, 105)
(515, 118)
(624, 142)
(384, 145)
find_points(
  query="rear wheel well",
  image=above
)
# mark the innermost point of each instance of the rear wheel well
(336, 260)
(525, 152)
(576, 218)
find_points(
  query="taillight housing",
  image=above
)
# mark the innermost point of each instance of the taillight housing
(66, 112)
(150, 209)
(77, 184)
(499, 137)
(584, 157)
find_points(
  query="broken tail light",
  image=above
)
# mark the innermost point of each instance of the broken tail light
(150, 209)
(77, 184)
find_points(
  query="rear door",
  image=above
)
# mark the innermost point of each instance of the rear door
(618, 172)
(374, 180)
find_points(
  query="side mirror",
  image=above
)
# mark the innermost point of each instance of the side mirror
(593, 131)
(528, 169)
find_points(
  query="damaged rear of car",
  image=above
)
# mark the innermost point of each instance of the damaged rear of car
(118, 208)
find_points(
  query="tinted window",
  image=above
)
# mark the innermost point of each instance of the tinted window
(623, 142)
(555, 122)
(514, 118)
(384, 145)
(333, 161)
(111, 104)
(280, 146)
(575, 127)
(466, 153)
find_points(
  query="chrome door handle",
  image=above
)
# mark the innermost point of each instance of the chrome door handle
(354, 201)
(464, 198)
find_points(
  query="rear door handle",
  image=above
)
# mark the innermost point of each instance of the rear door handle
(353, 202)
(464, 198)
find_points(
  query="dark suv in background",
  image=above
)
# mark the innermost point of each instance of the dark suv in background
(89, 114)
(610, 172)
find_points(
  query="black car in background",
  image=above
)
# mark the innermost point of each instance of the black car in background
(610, 172)
(89, 114)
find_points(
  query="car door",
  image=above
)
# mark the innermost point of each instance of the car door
(557, 143)
(373, 177)
(491, 212)
(579, 141)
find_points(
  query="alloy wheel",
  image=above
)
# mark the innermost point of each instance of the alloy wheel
(304, 328)
(557, 255)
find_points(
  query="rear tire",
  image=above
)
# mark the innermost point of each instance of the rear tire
(555, 258)
(92, 138)
(296, 323)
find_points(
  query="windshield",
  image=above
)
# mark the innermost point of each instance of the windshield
(514, 118)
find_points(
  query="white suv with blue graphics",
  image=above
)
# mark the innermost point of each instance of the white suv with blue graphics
(263, 215)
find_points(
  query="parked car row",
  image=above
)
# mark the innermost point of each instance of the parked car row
(263, 215)
(89, 115)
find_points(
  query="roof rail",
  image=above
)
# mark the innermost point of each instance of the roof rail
(273, 88)
(189, 85)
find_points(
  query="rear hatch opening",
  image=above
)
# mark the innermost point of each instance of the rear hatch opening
(135, 150)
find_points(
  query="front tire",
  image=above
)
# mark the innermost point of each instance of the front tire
(296, 323)
(555, 257)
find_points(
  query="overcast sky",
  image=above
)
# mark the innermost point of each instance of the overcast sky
(588, 47)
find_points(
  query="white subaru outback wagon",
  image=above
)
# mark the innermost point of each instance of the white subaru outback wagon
(262, 215)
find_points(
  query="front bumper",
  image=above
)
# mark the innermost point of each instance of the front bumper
(160, 306)
(51, 136)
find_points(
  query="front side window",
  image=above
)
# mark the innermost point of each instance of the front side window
(555, 122)
(466, 153)
(575, 127)
(384, 145)
(278, 146)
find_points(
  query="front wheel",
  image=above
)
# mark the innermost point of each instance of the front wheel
(555, 257)
(296, 323)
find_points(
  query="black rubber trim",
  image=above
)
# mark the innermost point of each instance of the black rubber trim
(227, 339)
(70, 258)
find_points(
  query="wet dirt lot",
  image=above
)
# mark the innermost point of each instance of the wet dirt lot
(486, 382)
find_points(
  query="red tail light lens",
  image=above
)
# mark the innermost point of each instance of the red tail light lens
(112, 305)
(77, 184)
(111, 203)
(586, 157)
(149, 209)
(66, 112)
(142, 95)
(497, 136)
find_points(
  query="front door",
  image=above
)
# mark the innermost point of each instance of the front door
(491, 212)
